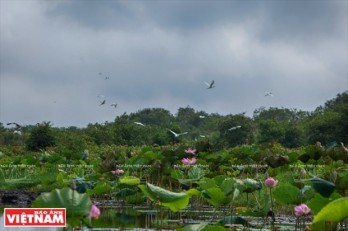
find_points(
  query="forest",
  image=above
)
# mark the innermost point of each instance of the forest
(291, 128)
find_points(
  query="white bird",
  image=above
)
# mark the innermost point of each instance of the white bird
(201, 116)
(17, 132)
(138, 123)
(177, 134)
(211, 85)
(268, 93)
(234, 128)
(344, 147)
(113, 105)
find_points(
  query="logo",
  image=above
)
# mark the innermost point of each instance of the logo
(35, 217)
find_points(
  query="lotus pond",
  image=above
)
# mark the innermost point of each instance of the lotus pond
(185, 188)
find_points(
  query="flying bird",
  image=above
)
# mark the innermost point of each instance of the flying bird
(234, 128)
(177, 134)
(102, 102)
(268, 93)
(211, 85)
(17, 132)
(17, 125)
(344, 147)
(138, 123)
(102, 99)
(113, 105)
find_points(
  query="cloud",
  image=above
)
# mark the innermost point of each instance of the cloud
(158, 53)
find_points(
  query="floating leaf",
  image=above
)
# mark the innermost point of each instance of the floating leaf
(334, 211)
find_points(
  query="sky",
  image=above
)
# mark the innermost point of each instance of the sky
(59, 59)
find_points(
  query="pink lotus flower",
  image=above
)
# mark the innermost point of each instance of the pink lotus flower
(191, 151)
(117, 172)
(94, 212)
(301, 210)
(187, 161)
(271, 182)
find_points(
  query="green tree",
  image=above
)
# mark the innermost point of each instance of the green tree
(41, 136)
(236, 130)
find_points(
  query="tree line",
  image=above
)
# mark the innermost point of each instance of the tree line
(291, 128)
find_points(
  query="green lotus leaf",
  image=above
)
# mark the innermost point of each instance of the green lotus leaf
(215, 196)
(76, 204)
(193, 192)
(334, 211)
(129, 180)
(100, 189)
(177, 174)
(318, 202)
(251, 185)
(323, 187)
(286, 194)
(125, 192)
(173, 200)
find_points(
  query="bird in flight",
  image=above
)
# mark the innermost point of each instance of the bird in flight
(211, 85)
(344, 147)
(17, 125)
(234, 128)
(138, 123)
(268, 93)
(113, 105)
(177, 134)
(102, 102)
(102, 99)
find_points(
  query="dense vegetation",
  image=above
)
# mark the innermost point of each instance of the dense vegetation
(289, 127)
(137, 159)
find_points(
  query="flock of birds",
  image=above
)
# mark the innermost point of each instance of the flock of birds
(103, 101)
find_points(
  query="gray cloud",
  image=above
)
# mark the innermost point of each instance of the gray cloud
(158, 53)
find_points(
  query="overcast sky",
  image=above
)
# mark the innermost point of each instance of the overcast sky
(58, 57)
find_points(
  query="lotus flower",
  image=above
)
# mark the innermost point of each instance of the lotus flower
(187, 161)
(117, 172)
(271, 182)
(191, 151)
(94, 212)
(301, 210)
